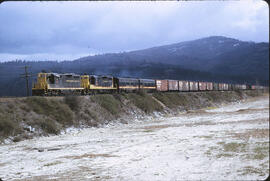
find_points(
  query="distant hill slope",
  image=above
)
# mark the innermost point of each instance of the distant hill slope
(214, 58)
(216, 54)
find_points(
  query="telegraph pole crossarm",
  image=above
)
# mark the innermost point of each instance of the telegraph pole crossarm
(26, 76)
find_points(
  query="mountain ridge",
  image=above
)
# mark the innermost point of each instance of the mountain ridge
(206, 54)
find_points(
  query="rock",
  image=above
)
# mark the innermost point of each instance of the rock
(40, 150)
(54, 149)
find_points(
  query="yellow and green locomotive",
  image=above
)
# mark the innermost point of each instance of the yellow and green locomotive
(49, 84)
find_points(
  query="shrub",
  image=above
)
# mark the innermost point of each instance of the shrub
(162, 97)
(73, 102)
(108, 102)
(142, 93)
(49, 126)
(92, 114)
(61, 112)
(52, 108)
(171, 100)
(17, 139)
(8, 126)
(145, 102)
(40, 105)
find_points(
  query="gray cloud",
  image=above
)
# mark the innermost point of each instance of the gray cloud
(80, 28)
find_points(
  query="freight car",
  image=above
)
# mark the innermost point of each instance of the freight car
(209, 86)
(202, 86)
(173, 85)
(226, 87)
(162, 85)
(220, 86)
(193, 86)
(183, 86)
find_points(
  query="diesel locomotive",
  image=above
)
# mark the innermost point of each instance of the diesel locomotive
(49, 84)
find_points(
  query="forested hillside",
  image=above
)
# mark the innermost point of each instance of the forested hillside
(218, 59)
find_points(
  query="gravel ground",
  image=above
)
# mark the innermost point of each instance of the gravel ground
(230, 142)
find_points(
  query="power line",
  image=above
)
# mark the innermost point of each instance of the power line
(26, 76)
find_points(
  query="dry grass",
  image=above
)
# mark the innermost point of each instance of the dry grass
(224, 155)
(252, 133)
(52, 163)
(153, 127)
(248, 170)
(234, 147)
(259, 152)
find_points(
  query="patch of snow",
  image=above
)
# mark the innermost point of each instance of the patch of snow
(148, 148)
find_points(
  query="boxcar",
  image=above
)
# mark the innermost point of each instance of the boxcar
(238, 87)
(173, 85)
(253, 87)
(202, 86)
(209, 86)
(193, 86)
(220, 86)
(226, 87)
(162, 85)
(215, 86)
(183, 85)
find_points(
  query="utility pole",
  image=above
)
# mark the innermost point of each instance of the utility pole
(26, 75)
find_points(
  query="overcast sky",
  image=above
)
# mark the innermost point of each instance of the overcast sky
(69, 30)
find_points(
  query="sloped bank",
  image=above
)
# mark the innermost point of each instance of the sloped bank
(24, 118)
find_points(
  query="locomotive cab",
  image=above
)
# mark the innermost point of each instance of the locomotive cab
(40, 87)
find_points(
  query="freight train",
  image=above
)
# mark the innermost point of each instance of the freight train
(50, 84)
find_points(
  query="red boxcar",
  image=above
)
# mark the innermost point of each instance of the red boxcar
(183, 85)
(202, 86)
(193, 86)
(162, 85)
(209, 86)
(173, 85)
(220, 86)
